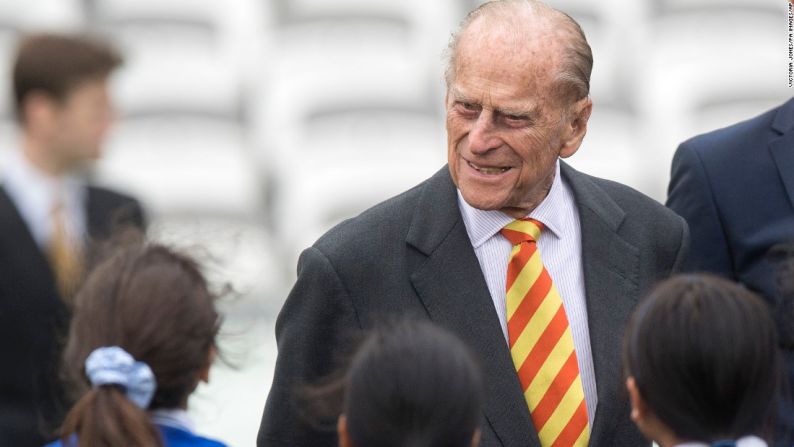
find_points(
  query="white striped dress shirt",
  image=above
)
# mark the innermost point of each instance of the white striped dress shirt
(35, 193)
(560, 246)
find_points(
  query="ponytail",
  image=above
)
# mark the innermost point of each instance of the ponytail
(105, 416)
(113, 412)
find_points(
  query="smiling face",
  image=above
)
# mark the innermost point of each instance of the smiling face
(505, 127)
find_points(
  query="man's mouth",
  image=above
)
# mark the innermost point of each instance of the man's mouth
(489, 170)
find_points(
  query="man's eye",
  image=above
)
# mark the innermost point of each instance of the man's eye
(468, 106)
(517, 120)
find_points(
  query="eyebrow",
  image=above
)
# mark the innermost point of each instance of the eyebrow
(531, 112)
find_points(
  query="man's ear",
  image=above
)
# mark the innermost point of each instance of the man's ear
(341, 431)
(575, 126)
(204, 373)
(38, 110)
(639, 410)
(475, 440)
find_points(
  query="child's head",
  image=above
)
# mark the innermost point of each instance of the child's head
(701, 358)
(156, 305)
(413, 385)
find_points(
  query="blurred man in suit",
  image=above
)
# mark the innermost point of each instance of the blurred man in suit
(49, 219)
(532, 263)
(735, 188)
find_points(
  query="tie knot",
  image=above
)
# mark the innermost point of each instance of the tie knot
(522, 230)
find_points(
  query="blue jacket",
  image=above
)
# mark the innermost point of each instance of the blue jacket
(173, 437)
(735, 188)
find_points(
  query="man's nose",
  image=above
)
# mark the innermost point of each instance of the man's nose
(482, 136)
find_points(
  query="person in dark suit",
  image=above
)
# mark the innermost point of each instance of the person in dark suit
(735, 188)
(50, 219)
(533, 264)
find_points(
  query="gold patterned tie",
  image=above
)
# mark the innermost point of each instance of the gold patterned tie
(64, 254)
(541, 343)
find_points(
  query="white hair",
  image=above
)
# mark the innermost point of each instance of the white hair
(573, 80)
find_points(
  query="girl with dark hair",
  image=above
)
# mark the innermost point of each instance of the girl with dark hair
(413, 385)
(702, 364)
(142, 338)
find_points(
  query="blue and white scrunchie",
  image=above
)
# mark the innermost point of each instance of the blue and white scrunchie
(114, 366)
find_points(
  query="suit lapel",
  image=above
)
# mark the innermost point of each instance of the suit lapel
(610, 267)
(782, 148)
(93, 215)
(452, 288)
(96, 227)
(24, 255)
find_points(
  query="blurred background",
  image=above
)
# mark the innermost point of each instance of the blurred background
(249, 127)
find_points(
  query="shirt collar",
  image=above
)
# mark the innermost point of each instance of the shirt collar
(40, 189)
(746, 441)
(174, 418)
(482, 225)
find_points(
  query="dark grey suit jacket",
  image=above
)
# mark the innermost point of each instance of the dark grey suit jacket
(412, 255)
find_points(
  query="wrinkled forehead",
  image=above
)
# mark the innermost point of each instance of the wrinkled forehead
(511, 47)
(505, 63)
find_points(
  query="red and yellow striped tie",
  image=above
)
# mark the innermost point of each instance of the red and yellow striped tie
(541, 343)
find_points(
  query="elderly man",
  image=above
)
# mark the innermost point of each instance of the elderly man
(535, 265)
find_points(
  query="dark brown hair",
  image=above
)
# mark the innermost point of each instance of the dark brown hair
(55, 64)
(155, 304)
(413, 385)
(703, 353)
(409, 383)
